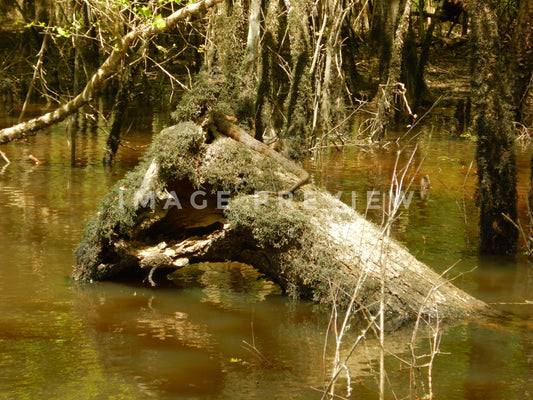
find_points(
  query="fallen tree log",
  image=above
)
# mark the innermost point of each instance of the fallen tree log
(194, 199)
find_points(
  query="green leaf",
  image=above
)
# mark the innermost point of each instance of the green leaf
(235, 360)
(160, 22)
(62, 32)
(144, 11)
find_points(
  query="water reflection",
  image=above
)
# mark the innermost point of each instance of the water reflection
(187, 343)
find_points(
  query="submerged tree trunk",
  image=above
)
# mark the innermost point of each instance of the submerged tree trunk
(495, 151)
(192, 200)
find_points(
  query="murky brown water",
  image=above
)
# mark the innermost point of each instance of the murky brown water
(185, 340)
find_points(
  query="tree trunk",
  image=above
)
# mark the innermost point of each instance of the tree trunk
(105, 71)
(495, 151)
(522, 61)
(157, 220)
(119, 113)
(392, 86)
(382, 32)
(420, 85)
(299, 100)
(254, 30)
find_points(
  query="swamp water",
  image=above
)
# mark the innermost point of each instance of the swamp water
(219, 332)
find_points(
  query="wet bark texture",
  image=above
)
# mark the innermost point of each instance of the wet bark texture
(492, 124)
(155, 220)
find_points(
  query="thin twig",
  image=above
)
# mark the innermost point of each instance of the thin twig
(5, 157)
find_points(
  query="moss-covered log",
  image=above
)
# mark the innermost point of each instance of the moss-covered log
(169, 212)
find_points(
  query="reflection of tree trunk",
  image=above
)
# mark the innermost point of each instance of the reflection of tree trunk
(72, 128)
(105, 71)
(495, 151)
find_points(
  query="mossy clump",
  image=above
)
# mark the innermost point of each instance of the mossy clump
(202, 97)
(115, 218)
(175, 150)
(276, 223)
(229, 165)
(172, 156)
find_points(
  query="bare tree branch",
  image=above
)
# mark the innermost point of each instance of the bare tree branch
(24, 129)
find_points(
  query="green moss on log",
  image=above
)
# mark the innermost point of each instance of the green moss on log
(267, 222)
(177, 150)
(178, 154)
(303, 259)
(171, 157)
(231, 166)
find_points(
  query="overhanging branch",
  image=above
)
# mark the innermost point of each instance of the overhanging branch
(24, 129)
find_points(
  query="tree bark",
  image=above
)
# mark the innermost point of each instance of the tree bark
(420, 85)
(119, 113)
(493, 125)
(389, 87)
(254, 30)
(107, 69)
(382, 32)
(522, 61)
